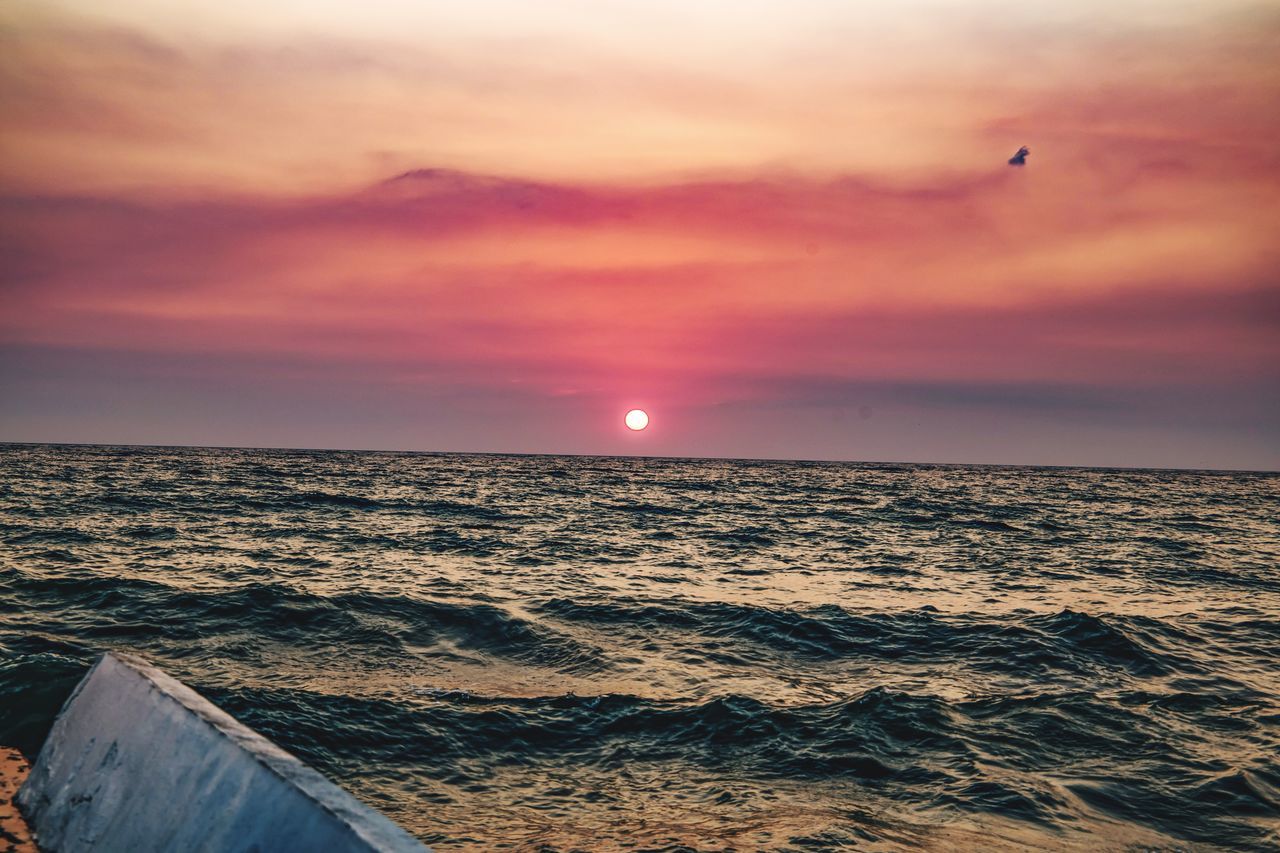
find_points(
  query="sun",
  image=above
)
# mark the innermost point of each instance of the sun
(637, 419)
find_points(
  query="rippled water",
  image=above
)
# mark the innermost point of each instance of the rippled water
(585, 653)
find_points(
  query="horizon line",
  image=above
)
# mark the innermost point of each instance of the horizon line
(766, 459)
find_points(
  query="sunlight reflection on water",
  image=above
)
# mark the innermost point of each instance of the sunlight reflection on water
(594, 653)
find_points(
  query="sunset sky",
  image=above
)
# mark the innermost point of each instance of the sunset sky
(785, 229)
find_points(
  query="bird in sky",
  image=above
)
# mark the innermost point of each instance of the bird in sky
(1020, 159)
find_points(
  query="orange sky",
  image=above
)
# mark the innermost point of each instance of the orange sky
(787, 229)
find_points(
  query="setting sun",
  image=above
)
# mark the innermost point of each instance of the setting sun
(637, 419)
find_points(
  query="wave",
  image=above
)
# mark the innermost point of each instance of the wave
(988, 756)
(143, 612)
(1070, 641)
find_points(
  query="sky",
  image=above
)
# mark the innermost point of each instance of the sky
(784, 229)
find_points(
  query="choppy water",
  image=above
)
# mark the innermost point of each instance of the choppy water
(595, 654)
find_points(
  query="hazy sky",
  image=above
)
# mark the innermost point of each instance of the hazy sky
(786, 229)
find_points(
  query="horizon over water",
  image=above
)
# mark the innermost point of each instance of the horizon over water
(941, 463)
(556, 653)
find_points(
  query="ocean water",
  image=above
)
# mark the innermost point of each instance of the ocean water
(546, 653)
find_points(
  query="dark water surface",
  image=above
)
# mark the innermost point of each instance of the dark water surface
(599, 654)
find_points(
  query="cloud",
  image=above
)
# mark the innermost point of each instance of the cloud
(538, 221)
(154, 101)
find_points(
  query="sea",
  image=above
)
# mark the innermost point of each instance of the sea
(551, 653)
